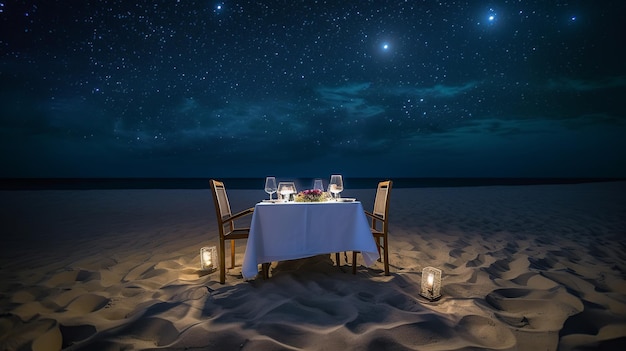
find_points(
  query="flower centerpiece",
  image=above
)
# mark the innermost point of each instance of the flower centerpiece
(314, 195)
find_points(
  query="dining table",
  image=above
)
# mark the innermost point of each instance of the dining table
(281, 231)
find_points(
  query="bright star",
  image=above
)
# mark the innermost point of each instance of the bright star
(492, 16)
(384, 48)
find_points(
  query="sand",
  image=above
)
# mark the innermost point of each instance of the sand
(538, 267)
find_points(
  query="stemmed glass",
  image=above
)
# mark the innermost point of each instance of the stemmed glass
(270, 186)
(318, 185)
(336, 185)
(285, 189)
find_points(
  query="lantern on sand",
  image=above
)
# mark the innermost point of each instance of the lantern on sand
(208, 258)
(431, 283)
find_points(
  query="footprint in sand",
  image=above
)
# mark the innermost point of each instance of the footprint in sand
(69, 278)
(476, 262)
(160, 331)
(508, 268)
(76, 333)
(87, 303)
(40, 334)
(484, 332)
(534, 309)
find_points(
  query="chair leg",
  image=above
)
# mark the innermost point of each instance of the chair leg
(353, 262)
(232, 254)
(265, 267)
(222, 262)
(386, 253)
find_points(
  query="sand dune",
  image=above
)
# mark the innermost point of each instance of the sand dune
(525, 268)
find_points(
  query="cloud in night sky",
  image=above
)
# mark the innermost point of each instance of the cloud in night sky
(297, 89)
(585, 85)
(438, 90)
(352, 98)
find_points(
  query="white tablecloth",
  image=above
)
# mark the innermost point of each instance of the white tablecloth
(287, 231)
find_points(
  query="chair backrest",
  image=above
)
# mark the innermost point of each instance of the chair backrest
(381, 204)
(220, 199)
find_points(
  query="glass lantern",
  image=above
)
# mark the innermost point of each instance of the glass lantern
(208, 258)
(431, 283)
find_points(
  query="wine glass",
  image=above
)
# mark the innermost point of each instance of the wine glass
(270, 186)
(291, 190)
(285, 189)
(336, 185)
(318, 185)
(282, 190)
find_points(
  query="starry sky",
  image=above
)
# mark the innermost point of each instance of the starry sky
(307, 88)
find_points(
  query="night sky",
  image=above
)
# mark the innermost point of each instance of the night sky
(309, 88)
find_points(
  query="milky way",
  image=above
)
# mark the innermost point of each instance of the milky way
(309, 88)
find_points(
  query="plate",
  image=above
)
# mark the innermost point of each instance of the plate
(273, 201)
(346, 199)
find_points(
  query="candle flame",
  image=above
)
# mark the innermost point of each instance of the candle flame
(206, 257)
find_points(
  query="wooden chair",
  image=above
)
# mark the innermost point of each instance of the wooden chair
(380, 223)
(226, 225)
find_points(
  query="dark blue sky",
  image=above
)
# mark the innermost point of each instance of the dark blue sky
(309, 88)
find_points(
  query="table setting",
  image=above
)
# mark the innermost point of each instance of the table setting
(287, 192)
(306, 223)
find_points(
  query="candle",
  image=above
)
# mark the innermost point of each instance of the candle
(430, 281)
(206, 258)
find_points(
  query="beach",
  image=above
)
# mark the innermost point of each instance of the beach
(533, 267)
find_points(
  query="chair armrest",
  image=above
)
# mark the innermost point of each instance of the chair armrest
(239, 214)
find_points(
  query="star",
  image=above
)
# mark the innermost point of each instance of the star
(492, 16)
